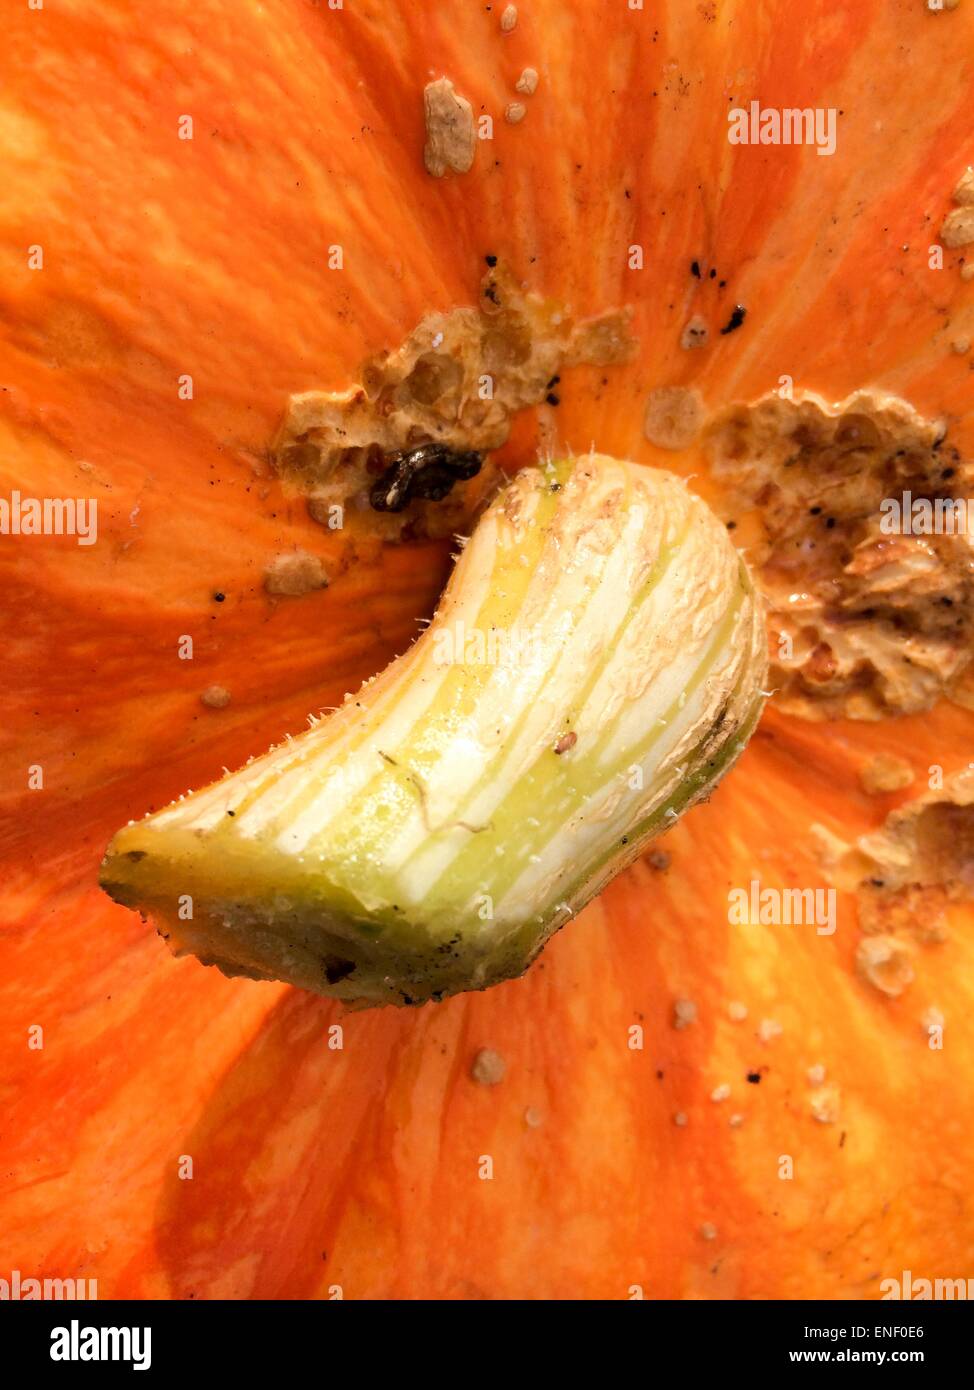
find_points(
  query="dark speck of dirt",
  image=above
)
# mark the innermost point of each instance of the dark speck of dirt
(337, 969)
(735, 320)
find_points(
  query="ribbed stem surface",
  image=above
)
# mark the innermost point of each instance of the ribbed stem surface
(594, 666)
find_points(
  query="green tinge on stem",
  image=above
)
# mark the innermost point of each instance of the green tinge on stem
(594, 667)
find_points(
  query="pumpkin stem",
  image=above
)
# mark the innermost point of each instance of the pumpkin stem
(594, 667)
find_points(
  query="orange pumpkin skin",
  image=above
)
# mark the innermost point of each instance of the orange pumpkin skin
(316, 1168)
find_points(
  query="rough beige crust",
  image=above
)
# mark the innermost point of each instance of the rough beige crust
(905, 876)
(451, 141)
(458, 379)
(878, 624)
(673, 416)
(958, 225)
(294, 573)
(884, 773)
(927, 842)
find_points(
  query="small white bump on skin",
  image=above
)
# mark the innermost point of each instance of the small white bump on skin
(509, 19)
(488, 1067)
(769, 1029)
(816, 1074)
(736, 1011)
(674, 416)
(527, 83)
(885, 963)
(825, 1104)
(720, 1092)
(695, 333)
(885, 773)
(964, 192)
(215, 697)
(515, 112)
(708, 1230)
(684, 1013)
(958, 227)
(293, 574)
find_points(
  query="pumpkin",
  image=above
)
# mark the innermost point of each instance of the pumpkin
(207, 229)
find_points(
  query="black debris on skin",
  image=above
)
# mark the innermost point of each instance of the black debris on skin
(337, 969)
(735, 320)
(428, 472)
